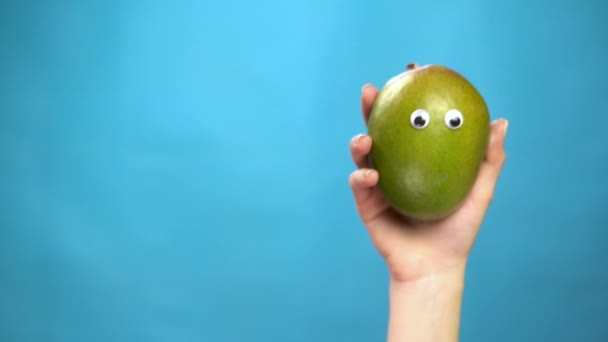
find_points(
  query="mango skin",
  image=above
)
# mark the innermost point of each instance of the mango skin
(427, 173)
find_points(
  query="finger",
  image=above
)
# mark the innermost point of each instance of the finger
(368, 200)
(362, 183)
(368, 96)
(483, 190)
(360, 146)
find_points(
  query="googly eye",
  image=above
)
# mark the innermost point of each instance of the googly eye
(420, 119)
(454, 119)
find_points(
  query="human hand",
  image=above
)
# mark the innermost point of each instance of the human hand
(414, 249)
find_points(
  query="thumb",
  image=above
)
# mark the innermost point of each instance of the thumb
(489, 172)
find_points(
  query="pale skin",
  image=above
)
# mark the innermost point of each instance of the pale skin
(426, 260)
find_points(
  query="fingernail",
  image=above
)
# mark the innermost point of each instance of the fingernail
(364, 87)
(367, 173)
(505, 127)
(357, 138)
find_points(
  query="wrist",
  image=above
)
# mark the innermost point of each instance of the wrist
(448, 280)
(423, 268)
(427, 308)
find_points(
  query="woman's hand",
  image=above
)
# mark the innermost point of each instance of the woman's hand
(423, 256)
(415, 249)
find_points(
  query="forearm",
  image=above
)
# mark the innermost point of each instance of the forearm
(427, 309)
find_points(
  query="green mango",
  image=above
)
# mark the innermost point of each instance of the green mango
(430, 130)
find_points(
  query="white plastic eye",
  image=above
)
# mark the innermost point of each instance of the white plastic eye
(420, 118)
(454, 119)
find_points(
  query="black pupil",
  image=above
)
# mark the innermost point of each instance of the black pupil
(455, 122)
(419, 121)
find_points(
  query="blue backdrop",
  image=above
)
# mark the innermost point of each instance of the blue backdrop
(177, 171)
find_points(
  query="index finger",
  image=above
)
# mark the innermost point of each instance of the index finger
(368, 96)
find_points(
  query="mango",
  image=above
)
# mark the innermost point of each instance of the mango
(430, 130)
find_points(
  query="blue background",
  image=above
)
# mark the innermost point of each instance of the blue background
(177, 171)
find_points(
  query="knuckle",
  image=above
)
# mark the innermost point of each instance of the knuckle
(485, 196)
(503, 158)
(352, 179)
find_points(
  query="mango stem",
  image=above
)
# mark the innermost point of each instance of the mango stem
(412, 66)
